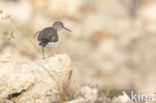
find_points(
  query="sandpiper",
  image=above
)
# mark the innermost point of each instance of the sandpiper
(49, 36)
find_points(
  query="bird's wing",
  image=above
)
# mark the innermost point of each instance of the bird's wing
(54, 38)
(48, 34)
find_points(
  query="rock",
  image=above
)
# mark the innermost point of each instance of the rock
(122, 99)
(33, 82)
(87, 95)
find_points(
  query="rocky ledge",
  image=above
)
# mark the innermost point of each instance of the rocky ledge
(39, 81)
(32, 82)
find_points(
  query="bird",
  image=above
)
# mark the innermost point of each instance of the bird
(48, 36)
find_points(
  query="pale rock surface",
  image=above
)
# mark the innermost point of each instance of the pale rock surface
(87, 95)
(36, 81)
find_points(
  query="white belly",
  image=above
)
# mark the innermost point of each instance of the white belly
(50, 44)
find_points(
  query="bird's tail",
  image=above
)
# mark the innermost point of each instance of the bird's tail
(36, 33)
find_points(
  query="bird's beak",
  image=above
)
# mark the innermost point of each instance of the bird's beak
(67, 29)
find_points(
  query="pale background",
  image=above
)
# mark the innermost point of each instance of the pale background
(112, 43)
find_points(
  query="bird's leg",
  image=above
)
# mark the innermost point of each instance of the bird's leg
(43, 52)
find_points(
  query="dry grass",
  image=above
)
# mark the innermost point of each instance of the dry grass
(68, 91)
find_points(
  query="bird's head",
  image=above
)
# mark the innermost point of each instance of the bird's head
(59, 25)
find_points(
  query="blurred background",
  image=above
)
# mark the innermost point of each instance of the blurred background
(112, 43)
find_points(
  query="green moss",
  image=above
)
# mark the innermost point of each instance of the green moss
(112, 92)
